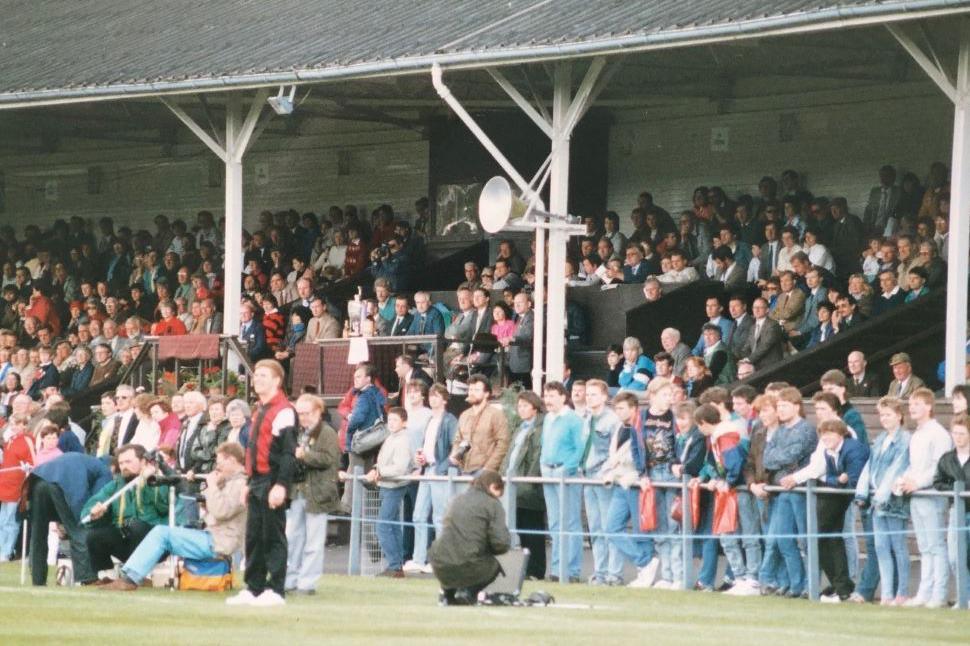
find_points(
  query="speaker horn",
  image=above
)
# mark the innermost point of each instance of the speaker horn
(500, 209)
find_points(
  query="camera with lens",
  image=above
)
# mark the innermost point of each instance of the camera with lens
(463, 448)
(160, 480)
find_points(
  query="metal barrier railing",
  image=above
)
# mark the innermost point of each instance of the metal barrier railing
(958, 497)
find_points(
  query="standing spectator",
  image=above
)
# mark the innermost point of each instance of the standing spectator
(314, 496)
(954, 466)
(928, 444)
(659, 438)
(601, 425)
(18, 450)
(483, 436)
(876, 492)
(765, 345)
(519, 344)
(251, 332)
(523, 460)
(322, 325)
(394, 460)
(755, 504)
(561, 455)
(368, 408)
(847, 238)
(270, 465)
(837, 462)
(788, 450)
(880, 214)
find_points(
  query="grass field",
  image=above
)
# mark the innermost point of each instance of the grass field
(376, 611)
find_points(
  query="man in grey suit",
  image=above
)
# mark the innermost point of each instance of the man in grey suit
(904, 381)
(880, 214)
(816, 294)
(211, 319)
(460, 331)
(728, 271)
(769, 252)
(766, 344)
(519, 347)
(677, 349)
(743, 323)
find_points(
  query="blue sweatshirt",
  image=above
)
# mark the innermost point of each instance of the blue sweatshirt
(563, 441)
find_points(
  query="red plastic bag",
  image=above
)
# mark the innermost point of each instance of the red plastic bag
(725, 512)
(694, 498)
(648, 510)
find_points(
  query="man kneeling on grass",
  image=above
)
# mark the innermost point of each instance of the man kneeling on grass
(225, 523)
(463, 556)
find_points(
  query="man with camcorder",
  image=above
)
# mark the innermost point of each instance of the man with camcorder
(225, 523)
(119, 526)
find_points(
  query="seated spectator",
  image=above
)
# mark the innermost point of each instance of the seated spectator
(46, 375)
(740, 251)
(606, 250)
(614, 363)
(846, 315)
(766, 344)
(472, 280)
(745, 368)
(635, 269)
(727, 270)
(322, 325)
(81, 374)
(678, 351)
(824, 329)
(652, 290)
(503, 327)
(427, 319)
(251, 332)
(637, 367)
(917, 284)
(614, 274)
(274, 323)
(697, 378)
(504, 276)
(680, 272)
(355, 255)
(934, 265)
(713, 309)
(904, 382)
(593, 269)
(389, 261)
(789, 306)
(169, 325)
(789, 247)
(818, 254)
(294, 336)
(717, 356)
(105, 366)
(892, 295)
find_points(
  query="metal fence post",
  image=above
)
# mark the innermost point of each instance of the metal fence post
(563, 576)
(452, 472)
(510, 500)
(356, 514)
(960, 523)
(686, 529)
(811, 529)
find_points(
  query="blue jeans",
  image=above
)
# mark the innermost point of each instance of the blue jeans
(390, 534)
(9, 529)
(707, 546)
(851, 540)
(574, 523)
(597, 499)
(957, 560)
(928, 523)
(432, 501)
(869, 578)
(772, 571)
(749, 521)
(180, 541)
(788, 517)
(635, 547)
(892, 555)
(670, 550)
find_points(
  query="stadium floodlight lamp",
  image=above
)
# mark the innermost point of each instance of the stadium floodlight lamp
(283, 105)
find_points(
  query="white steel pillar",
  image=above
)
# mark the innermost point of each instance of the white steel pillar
(959, 237)
(558, 203)
(234, 217)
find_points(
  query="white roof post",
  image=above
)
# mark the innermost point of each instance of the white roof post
(234, 216)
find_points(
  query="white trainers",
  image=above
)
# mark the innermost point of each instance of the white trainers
(427, 569)
(915, 602)
(269, 599)
(413, 567)
(244, 598)
(647, 575)
(744, 588)
(663, 585)
(830, 598)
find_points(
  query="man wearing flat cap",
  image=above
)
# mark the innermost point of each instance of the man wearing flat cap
(904, 381)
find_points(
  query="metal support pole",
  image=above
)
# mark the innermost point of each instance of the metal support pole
(539, 314)
(23, 551)
(959, 236)
(452, 472)
(558, 203)
(155, 375)
(224, 351)
(686, 529)
(563, 576)
(234, 215)
(356, 513)
(960, 523)
(811, 528)
(172, 574)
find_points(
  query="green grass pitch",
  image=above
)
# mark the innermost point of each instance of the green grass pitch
(380, 611)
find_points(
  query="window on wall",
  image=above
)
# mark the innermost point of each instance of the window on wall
(456, 212)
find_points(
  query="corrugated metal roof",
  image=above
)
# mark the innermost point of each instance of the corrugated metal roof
(104, 48)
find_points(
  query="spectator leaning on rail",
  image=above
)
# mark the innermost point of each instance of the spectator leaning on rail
(954, 466)
(225, 523)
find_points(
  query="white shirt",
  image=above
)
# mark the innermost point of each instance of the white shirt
(926, 446)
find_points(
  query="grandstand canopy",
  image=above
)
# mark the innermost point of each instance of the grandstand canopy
(53, 51)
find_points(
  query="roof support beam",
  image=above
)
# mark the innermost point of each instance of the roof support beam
(936, 73)
(521, 101)
(249, 125)
(196, 129)
(204, 102)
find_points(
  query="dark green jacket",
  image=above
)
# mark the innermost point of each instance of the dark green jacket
(474, 532)
(527, 496)
(144, 503)
(320, 464)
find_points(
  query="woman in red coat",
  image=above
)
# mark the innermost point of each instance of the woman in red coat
(170, 325)
(17, 450)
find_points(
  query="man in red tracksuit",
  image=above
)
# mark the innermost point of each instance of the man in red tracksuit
(270, 464)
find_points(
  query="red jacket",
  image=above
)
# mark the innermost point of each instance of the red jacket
(356, 258)
(170, 327)
(43, 310)
(18, 449)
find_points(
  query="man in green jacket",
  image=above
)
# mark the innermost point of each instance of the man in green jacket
(118, 528)
(463, 557)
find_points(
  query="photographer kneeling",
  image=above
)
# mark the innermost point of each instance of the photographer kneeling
(225, 523)
(463, 557)
(120, 527)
